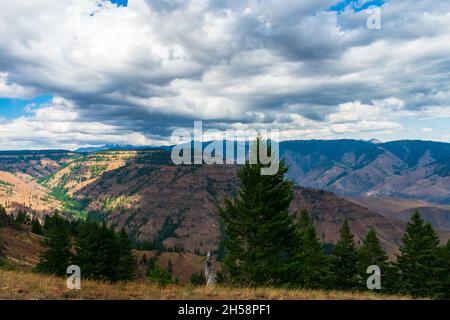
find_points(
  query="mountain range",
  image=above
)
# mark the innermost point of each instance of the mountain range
(371, 184)
(409, 169)
(405, 169)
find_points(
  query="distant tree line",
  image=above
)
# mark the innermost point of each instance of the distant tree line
(4, 217)
(266, 245)
(99, 251)
(19, 219)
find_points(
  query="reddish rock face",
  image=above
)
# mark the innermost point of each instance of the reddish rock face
(146, 198)
(34, 163)
(177, 205)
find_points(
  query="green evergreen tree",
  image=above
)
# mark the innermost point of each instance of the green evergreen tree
(20, 218)
(259, 232)
(311, 267)
(87, 242)
(445, 272)
(157, 274)
(103, 254)
(36, 227)
(4, 218)
(57, 256)
(126, 265)
(97, 252)
(108, 254)
(371, 253)
(418, 264)
(344, 260)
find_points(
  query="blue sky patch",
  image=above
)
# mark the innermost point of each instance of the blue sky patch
(356, 5)
(120, 3)
(14, 108)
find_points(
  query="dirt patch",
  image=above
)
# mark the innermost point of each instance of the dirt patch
(21, 247)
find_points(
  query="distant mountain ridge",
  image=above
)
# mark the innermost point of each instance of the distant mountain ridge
(408, 169)
(154, 200)
(118, 147)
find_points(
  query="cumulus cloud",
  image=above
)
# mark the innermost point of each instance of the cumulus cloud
(58, 124)
(12, 90)
(135, 73)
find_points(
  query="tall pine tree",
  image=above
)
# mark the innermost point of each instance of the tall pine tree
(57, 256)
(36, 227)
(102, 254)
(311, 266)
(259, 232)
(445, 272)
(344, 260)
(20, 218)
(4, 218)
(126, 265)
(418, 265)
(371, 253)
(95, 252)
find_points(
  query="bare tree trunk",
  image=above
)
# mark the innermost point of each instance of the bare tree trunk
(210, 274)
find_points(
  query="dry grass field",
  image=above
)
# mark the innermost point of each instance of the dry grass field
(29, 286)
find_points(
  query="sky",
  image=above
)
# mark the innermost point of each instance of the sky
(80, 73)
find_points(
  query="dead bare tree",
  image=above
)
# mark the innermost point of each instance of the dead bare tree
(210, 274)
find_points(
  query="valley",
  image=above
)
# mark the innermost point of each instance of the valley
(163, 206)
